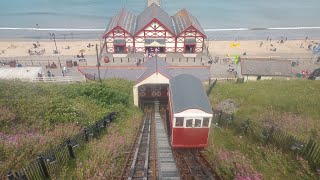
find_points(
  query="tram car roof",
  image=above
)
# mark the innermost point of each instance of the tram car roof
(187, 93)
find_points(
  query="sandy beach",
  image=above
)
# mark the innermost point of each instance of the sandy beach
(252, 48)
(256, 49)
(65, 47)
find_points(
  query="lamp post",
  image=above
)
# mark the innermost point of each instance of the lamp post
(55, 43)
(52, 35)
(156, 50)
(98, 62)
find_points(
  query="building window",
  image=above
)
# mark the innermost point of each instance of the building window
(197, 123)
(179, 122)
(189, 122)
(190, 48)
(119, 49)
(205, 122)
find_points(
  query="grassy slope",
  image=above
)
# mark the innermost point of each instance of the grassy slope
(292, 105)
(34, 117)
(105, 157)
(295, 102)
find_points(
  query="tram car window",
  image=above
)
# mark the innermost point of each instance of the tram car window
(205, 122)
(189, 123)
(179, 122)
(197, 123)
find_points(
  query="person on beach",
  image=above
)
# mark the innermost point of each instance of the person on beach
(49, 73)
(306, 39)
(261, 43)
(268, 38)
(231, 69)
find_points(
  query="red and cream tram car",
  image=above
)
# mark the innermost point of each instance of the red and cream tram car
(190, 112)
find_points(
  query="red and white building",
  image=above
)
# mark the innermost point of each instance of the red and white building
(119, 35)
(154, 28)
(190, 35)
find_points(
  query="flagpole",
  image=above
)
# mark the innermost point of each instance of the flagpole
(156, 50)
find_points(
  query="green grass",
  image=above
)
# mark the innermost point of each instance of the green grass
(35, 117)
(292, 106)
(106, 156)
(233, 154)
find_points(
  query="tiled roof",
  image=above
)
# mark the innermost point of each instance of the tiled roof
(201, 73)
(154, 12)
(183, 20)
(266, 67)
(124, 19)
(154, 65)
(131, 74)
(133, 24)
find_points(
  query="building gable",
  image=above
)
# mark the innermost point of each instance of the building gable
(183, 20)
(123, 19)
(117, 32)
(151, 14)
(155, 29)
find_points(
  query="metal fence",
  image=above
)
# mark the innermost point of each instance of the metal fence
(51, 161)
(308, 149)
(59, 79)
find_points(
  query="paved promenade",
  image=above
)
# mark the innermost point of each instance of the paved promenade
(217, 70)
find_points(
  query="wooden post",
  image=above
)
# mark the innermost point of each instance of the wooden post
(43, 166)
(70, 149)
(86, 135)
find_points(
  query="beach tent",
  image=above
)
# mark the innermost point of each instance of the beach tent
(234, 44)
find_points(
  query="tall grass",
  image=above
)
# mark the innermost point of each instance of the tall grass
(236, 157)
(293, 106)
(34, 117)
(288, 104)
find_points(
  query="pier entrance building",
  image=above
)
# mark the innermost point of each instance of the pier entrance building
(154, 29)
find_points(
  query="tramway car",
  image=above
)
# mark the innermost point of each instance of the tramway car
(190, 112)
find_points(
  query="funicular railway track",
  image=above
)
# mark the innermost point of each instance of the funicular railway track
(193, 164)
(141, 163)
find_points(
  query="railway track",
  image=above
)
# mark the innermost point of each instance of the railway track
(142, 159)
(192, 164)
(140, 162)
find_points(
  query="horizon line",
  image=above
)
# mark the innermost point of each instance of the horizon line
(207, 29)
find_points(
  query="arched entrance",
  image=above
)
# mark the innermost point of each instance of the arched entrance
(149, 92)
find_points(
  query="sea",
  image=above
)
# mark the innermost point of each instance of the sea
(221, 19)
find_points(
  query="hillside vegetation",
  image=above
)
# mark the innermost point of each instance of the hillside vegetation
(35, 117)
(292, 106)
